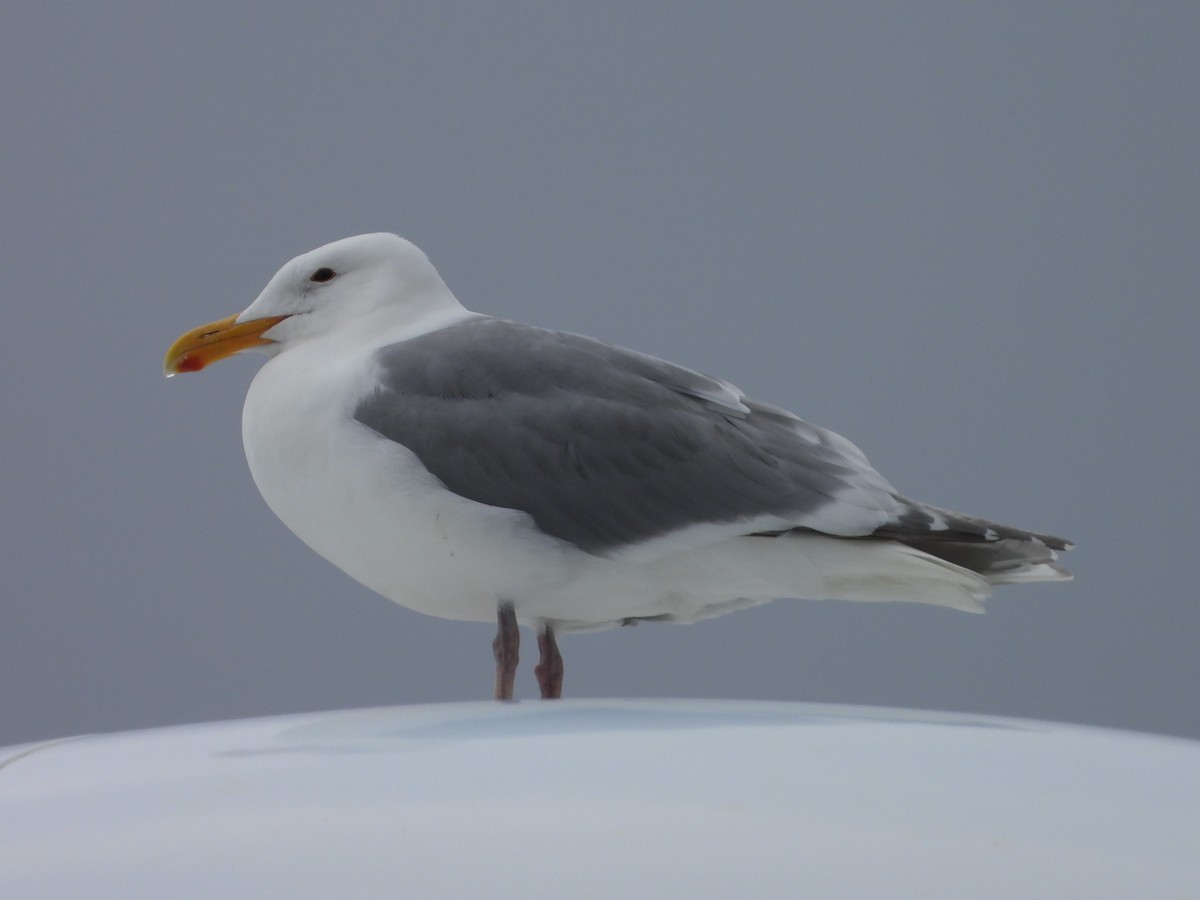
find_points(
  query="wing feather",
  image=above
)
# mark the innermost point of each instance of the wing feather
(607, 448)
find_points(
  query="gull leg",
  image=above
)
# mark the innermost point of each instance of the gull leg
(505, 646)
(549, 670)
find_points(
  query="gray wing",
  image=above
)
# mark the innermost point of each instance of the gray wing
(607, 448)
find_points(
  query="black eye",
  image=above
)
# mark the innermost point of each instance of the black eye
(322, 275)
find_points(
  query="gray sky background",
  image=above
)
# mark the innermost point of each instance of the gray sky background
(963, 235)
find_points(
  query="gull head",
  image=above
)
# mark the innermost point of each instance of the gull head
(368, 282)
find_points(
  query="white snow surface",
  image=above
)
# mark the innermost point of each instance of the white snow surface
(587, 798)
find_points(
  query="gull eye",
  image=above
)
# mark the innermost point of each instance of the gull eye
(323, 275)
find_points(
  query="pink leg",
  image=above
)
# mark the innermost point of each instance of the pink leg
(505, 647)
(549, 670)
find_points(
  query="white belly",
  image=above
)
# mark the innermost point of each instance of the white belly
(368, 506)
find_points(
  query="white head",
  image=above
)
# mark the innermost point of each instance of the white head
(368, 282)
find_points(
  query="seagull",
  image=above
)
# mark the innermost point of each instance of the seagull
(478, 469)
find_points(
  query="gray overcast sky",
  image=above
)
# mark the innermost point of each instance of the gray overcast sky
(963, 235)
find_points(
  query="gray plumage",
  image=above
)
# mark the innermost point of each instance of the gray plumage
(606, 448)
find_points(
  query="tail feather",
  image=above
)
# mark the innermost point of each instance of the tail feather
(998, 553)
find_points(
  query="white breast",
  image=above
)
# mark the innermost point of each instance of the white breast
(367, 504)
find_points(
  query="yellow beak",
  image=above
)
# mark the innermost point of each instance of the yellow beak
(193, 351)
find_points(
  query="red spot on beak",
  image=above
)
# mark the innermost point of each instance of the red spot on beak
(189, 363)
